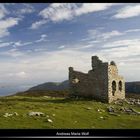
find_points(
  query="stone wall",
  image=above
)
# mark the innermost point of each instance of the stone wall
(78, 83)
(119, 84)
(97, 83)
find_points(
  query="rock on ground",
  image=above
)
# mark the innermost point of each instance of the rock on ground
(36, 114)
(49, 120)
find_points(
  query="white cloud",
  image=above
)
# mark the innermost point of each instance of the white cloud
(27, 8)
(37, 24)
(53, 66)
(4, 32)
(66, 11)
(92, 7)
(132, 30)
(123, 50)
(12, 53)
(58, 12)
(61, 47)
(19, 43)
(9, 22)
(111, 34)
(128, 12)
(97, 36)
(21, 74)
(6, 24)
(125, 42)
(5, 44)
(42, 38)
(3, 11)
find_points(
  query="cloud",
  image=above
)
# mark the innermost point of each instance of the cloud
(92, 7)
(105, 35)
(21, 74)
(6, 24)
(3, 11)
(54, 64)
(21, 10)
(5, 44)
(61, 47)
(132, 30)
(37, 24)
(19, 43)
(58, 12)
(97, 36)
(124, 42)
(27, 9)
(128, 12)
(12, 53)
(4, 32)
(42, 38)
(9, 22)
(111, 34)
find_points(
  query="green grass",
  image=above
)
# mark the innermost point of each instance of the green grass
(69, 113)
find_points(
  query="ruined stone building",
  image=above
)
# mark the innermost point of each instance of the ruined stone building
(102, 82)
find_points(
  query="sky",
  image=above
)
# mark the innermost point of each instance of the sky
(39, 41)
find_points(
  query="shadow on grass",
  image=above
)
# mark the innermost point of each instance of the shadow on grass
(56, 100)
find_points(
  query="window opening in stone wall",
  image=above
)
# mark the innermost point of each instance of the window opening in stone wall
(120, 85)
(113, 88)
(75, 80)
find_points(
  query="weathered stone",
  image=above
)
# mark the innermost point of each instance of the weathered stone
(129, 110)
(10, 114)
(49, 120)
(15, 113)
(47, 97)
(88, 108)
(53, 114)
(135, 111)
(36, 114)
(122, 109)
(132, 101)
(110, 109)
(102, 82)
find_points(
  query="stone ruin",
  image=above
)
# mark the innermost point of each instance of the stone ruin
(101, 83)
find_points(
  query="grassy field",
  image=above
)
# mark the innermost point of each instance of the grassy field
(65, 113)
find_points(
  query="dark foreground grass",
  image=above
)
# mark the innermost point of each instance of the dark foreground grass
(65, 113)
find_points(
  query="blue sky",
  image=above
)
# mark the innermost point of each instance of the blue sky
(38, 42)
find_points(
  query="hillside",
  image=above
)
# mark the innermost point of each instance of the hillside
(132, 87)
(58, 111)
(55, 86)
(18, 112)
(60, 89)
(37, 93)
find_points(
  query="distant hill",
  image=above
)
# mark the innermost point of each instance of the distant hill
(54, 89)
(60, 89)
(55, 86)
(132, 87)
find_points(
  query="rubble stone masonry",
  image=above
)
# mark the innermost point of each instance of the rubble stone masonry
(102, 82)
